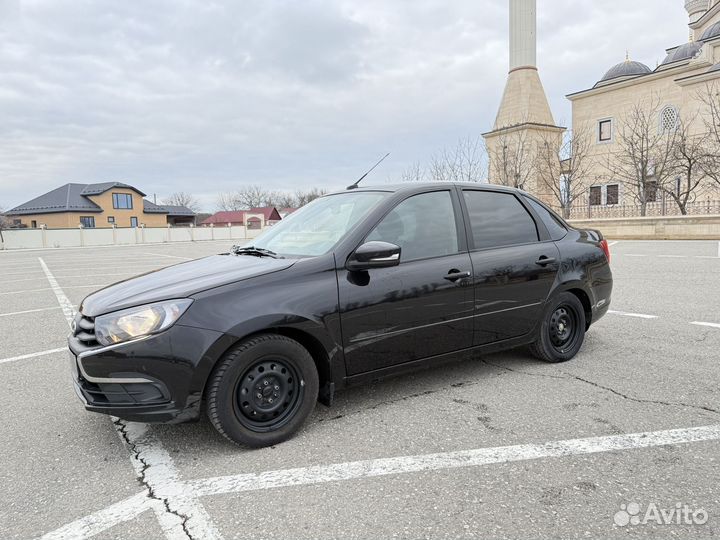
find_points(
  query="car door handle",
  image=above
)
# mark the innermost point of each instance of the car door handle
(544, 261)
(454, 275)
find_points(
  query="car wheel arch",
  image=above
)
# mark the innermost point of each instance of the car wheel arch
(577, 288)
(311, 343)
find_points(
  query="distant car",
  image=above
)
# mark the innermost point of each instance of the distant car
(355, 286)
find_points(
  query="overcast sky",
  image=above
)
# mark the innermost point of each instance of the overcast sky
(204, 96)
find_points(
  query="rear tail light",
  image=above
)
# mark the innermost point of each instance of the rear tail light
(605, 248)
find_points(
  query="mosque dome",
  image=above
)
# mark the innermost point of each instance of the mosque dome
(683, 52)
(628, 68)
(711, 32)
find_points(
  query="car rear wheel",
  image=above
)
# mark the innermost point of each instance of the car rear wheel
(562, 331)
(262, 390)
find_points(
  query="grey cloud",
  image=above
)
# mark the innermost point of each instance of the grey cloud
(200, 95)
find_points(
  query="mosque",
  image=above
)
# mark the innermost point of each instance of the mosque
(675, 90)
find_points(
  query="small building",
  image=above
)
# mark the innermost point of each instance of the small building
(285, 212)
(255, 218)
(101, 205)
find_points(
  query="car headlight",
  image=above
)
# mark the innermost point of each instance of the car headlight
(139, 321)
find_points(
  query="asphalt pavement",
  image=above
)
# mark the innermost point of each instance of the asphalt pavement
(500, 446)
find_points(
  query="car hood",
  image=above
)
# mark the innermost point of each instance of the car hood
(180, 281)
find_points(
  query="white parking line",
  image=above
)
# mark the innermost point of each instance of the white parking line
(28, 311)
(170, 256)
(673, 256)
(32, 355)
(711, 325)
(611, 244)
(49, 289)
(627, 314)
(163, 478)
(156, 466)
(131, 507)
(634, 255)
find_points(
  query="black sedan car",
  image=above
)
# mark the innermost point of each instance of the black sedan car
(355, 286)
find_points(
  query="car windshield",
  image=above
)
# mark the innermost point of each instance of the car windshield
(315, 228)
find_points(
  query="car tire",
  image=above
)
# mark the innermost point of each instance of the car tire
(562, 330)
(262, 390)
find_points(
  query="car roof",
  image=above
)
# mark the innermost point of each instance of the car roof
(420, 186)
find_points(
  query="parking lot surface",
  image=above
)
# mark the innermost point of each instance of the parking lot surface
(500, 446)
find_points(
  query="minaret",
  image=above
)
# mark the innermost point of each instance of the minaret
(696, 9)
(524, 117)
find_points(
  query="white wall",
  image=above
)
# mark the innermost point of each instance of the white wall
(51, 238)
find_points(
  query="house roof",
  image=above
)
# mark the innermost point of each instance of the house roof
(67, 198)
(270, 213)
(74, 198)
(97, 189)
(226, 216)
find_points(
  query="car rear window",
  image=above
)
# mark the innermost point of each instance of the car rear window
(498, 219)
(553, 223)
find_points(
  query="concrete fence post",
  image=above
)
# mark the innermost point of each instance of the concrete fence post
(82, 235)
(212, 231)
(114, 231)
(43, 234)
(192, 232)
(142, 233)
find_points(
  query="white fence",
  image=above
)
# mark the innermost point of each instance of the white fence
(60, 238)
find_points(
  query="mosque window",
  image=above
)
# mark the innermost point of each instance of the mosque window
(605, 130)
(596, 195)
(669, 118)
(613, 194)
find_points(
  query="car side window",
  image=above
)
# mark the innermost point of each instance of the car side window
(554, 226)
(498, 219)
(422, 225)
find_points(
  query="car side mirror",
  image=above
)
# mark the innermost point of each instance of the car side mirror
(374, 255)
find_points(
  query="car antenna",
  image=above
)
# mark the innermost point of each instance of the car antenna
(356, 184)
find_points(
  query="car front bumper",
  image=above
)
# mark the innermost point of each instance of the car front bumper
(158, 378)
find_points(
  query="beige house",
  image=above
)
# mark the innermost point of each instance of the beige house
(673, 92)
(109, 204)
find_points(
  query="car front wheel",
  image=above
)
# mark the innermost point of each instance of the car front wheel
(562, 331)
(262, 390)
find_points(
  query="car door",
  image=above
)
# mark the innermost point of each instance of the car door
(423, 306)
(514, 264)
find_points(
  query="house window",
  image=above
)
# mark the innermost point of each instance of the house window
(651, 189)
(33, 224)
(88, 222)
(669, 119)
(596, 195)
(613, 194)
(111, 219)
(605, 130)
(122, 201)
(133, 222)
(17, 222)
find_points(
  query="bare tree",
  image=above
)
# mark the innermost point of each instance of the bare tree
(463, 163)
(691, 161)
(302, 197)
(563, 172)
(511, 162)
(710, 97)
(182, 198)
(284, 200)
(414, 173)
(643, 161)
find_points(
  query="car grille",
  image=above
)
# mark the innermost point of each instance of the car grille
(84, 330)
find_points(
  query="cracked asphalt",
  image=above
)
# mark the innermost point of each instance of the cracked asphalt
(61, 464)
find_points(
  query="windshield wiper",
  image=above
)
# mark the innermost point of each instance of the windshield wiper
(255, 252)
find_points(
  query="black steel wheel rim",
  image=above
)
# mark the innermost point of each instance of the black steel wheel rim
(268, 394)
(564, 328)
